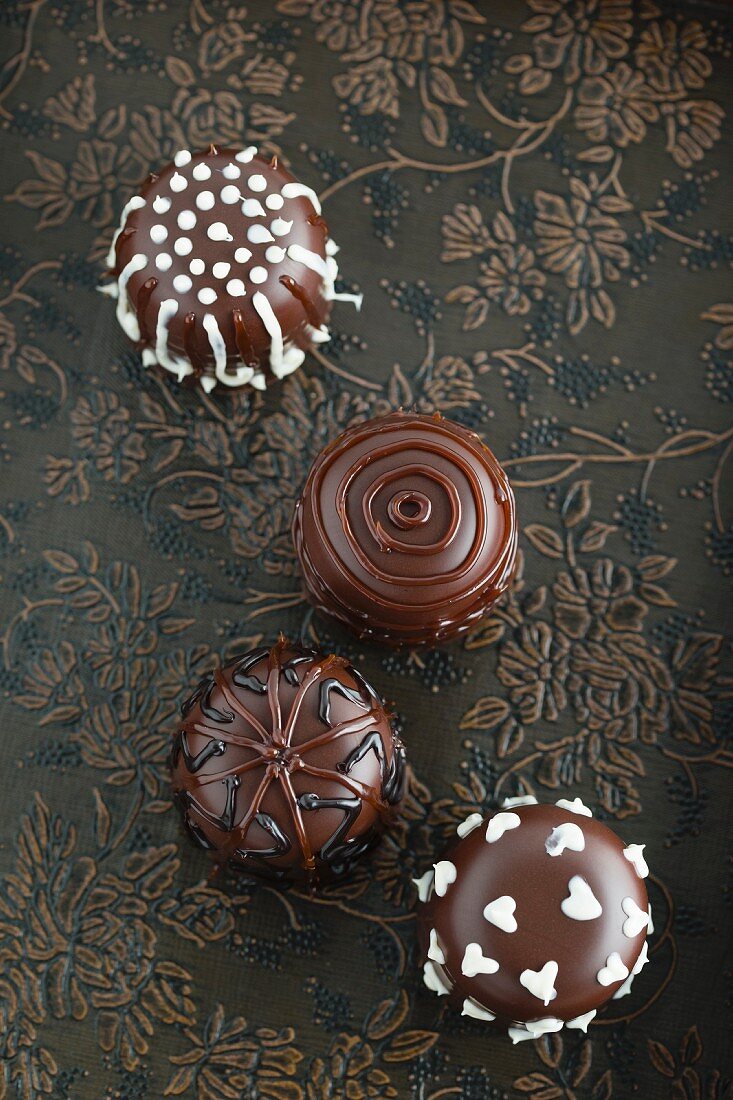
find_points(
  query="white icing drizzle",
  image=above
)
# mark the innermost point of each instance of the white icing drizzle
(576, 806)
(274, 254)
(472, 822)
(501, 913)
(163, 261)
(296, 190)
(475, 962)
(197, 266)
(207, 295)
(207, 383)
(238, 377)
(221, 269)
(178, 182)
(499, 824)
(581, 1022)
(246, 155)
(236, 288)
(614, 970)
(271, 323)
(357, 300)
(125, 315)
(135, 203)
(280, 227)
(161, 204)
(567, 835)
(186, 220)
(258, 275)
(541, 983)
(259, 234)
(274, 202)
(182, 158)
(253, 208)
(435, 951)
(231, 172)
(435, 978)
(471, 1007)
(259, 382)
(636, 919)
(230, 194)
(218, 231)
(635, 855)
(179, 367)
(205, 200)
(242, 255)
(581, 903)
(445, 874)
(201, 171)
(520, 799)
(425, 885)
(257, 182)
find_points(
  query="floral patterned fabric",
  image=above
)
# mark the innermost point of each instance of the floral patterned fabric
(532, 196)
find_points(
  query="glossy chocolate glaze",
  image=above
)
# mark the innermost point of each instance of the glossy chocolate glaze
(406, 529)
(285, 765)
(517, 865)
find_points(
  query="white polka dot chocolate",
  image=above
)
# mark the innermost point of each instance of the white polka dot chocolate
(535, 918)
(224, 270)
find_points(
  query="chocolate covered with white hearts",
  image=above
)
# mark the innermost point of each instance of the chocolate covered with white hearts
(223, 269)
(535, 918)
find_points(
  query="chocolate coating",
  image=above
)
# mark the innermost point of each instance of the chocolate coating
(269, 245)
(285, 765)
(406, 529)
(517, 866)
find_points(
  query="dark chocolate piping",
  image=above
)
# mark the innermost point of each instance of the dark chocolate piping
(189, 344)
(243, 340)
(144, 295)
(303, 297)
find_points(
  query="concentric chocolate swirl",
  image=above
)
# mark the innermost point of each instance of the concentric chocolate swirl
(406, 529)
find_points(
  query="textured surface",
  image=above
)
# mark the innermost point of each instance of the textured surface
(562, 287)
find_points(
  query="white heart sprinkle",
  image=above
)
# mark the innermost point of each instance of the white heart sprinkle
(182, 159)
(230, 194)
(615, 970)
(161, 204)
(280, 227)
(501, 913)
(581, 1022)
(473, 1008)
(252, 208)
(472, 822)
(258, 274)
(207, 295)
(650, 930)
(545, 1026)
(541, 983)
(242, 255)
(182, 246)
(236, 288)
(163, 261)
(182, 283)
(499, 824)
(186, 219)
(274, 202)
(257, 183)
(201, 171)
(231, 172)
(642, 960)
(519, 800)
(246, 154)
(435, 979)
(635, 855)
(158, 233)
(565, 836)
(475, 962)
(425, 885)
(221, 269)
(575, 806)
(274, 254)
(520, 1034)
(205, 200)
(259, 234)
(197, 267)
(636, 918)
(445, 875)
(178, 182)
(581, 903)
(435, 951)
(217, 231)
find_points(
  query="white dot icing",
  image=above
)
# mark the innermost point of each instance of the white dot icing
(158, 233)
(258, 275)
(541, 983)
(246, 155)
(252, 208)
(221, 269)
(182, 158)
(615, 970)
(217, 231)
(197, 267)
(635, 855)
(163, 261)
(475, 962)
(274, 254)
(182, 283)
(435, 978)
(280, 227)
(207, 295)
(636, 919)
(186, 219)
(274, 202)
(581, 903)
(499, 824)
(576, 806)
(435, 951)
(445, 875)
(259, 234)
(471, 822)
(236, 288)
(230, 194)
(473, 1008)
(567, 835)
(231, 172)
(425, 885)
(178, 182)
(205, 200)
(161, 204)
(201, 171)
(581, 1022)
(500, 912)
(182, 246)
(257, 183)
(242, 255)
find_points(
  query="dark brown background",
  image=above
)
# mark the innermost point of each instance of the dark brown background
(534, 200)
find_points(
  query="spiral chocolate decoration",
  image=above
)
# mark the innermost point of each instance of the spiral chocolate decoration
(406, 529)
(285, 765)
